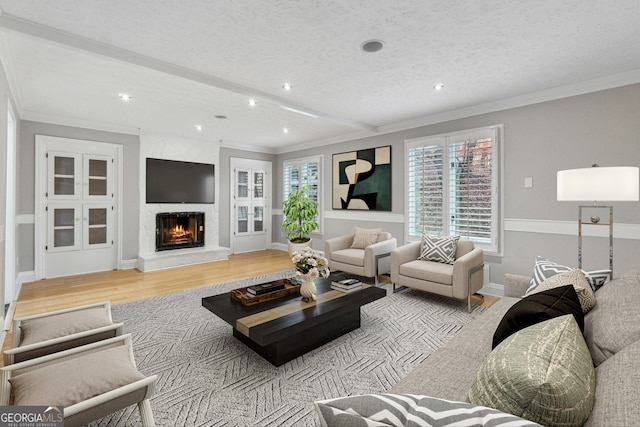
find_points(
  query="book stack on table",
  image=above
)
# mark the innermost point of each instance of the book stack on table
(347, 285)
(265, 288)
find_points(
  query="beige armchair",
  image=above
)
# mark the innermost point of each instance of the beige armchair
(367, 261)
(89, 382)
(46, 333)
(459, 280)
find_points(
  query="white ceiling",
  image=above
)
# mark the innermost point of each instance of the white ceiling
(186, 61)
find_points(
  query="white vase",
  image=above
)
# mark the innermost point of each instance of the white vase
(298, 247)
(308, 290)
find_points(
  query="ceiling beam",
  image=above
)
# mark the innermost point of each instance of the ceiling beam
(19, 25)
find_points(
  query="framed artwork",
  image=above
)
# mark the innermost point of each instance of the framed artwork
(362, 180)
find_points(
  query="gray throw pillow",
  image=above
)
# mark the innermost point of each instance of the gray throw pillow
(543, 373)
(614, 322)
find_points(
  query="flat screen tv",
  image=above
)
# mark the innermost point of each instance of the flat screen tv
(171, 181)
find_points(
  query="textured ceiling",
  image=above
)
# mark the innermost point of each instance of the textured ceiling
(186, 61)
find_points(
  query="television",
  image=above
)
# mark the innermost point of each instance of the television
(171, 181)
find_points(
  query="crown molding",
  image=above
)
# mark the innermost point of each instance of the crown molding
(560, 92)
(86, 124)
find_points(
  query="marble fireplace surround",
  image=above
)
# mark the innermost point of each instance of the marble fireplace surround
(173, 148)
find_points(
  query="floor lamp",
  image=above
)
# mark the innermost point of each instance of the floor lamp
(611, 184)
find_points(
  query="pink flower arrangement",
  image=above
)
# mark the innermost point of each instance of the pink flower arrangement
(310, 264)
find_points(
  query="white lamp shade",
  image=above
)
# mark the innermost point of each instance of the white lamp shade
(599, 184)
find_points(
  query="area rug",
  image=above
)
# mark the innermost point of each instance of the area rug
(206, 377)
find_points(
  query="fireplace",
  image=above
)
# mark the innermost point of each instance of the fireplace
(178, 230)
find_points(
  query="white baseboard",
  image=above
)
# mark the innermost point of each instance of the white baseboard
(280, 246)
(493, 289)
(128, 264)
(23, 277)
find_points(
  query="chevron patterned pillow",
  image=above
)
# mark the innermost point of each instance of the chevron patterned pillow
(439, 248)
(545, 269)
(397, 410)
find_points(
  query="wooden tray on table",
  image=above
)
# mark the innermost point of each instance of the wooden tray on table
(242, 296)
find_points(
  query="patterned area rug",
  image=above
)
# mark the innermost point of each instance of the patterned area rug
(206, 377)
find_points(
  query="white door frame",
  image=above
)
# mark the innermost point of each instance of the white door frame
(10, 217)
(40, 217)
(265, 165)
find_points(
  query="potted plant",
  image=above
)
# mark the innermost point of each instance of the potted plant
(300, 213)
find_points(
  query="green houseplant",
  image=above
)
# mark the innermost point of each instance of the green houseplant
(300, 212)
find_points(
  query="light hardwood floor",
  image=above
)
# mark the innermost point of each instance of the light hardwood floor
(122, 286)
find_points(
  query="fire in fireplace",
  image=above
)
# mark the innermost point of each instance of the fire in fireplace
(177, 230)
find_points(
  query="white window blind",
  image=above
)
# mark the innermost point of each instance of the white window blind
(452, 187)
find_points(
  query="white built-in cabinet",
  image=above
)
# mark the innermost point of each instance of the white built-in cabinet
(78, 213)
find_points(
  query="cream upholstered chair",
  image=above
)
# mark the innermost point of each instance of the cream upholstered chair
(46, 333)
(365, 253)
(458, 280)
(89, 382)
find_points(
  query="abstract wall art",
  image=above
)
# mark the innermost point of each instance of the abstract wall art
(362, 180)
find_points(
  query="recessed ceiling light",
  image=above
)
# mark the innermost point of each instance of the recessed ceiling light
(220, 116)
(198, 127)
(285, 130)
(287, 86)
(124, 97)
(371, 46)
(252, 102)
(438, 87)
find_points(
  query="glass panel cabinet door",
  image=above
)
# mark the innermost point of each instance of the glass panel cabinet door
(258, 218)
(242, 219)
(258, 184)
(242, 179)
(64, 228)
(97, 226)
(63, 182)
(97, 177)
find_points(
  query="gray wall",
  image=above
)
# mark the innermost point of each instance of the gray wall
(601, 127)
(225, 186)
(26, 183)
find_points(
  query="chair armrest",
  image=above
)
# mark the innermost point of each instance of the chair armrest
(380, 248)
(58, 344)
(468, 261)
(461, 267)
(16, 335)
(515, 285)
(336, 244)
(371, 252)
(148, 383)
(403, 254)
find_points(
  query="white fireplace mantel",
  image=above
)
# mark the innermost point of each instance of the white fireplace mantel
(174, 148)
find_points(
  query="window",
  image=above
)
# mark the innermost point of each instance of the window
(452, 186)
(301, 172)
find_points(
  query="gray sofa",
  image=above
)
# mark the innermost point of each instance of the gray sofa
(612, 334)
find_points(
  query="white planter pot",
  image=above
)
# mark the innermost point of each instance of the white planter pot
(298, 247)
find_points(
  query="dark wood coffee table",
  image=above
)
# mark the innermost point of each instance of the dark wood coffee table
(283, 329)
